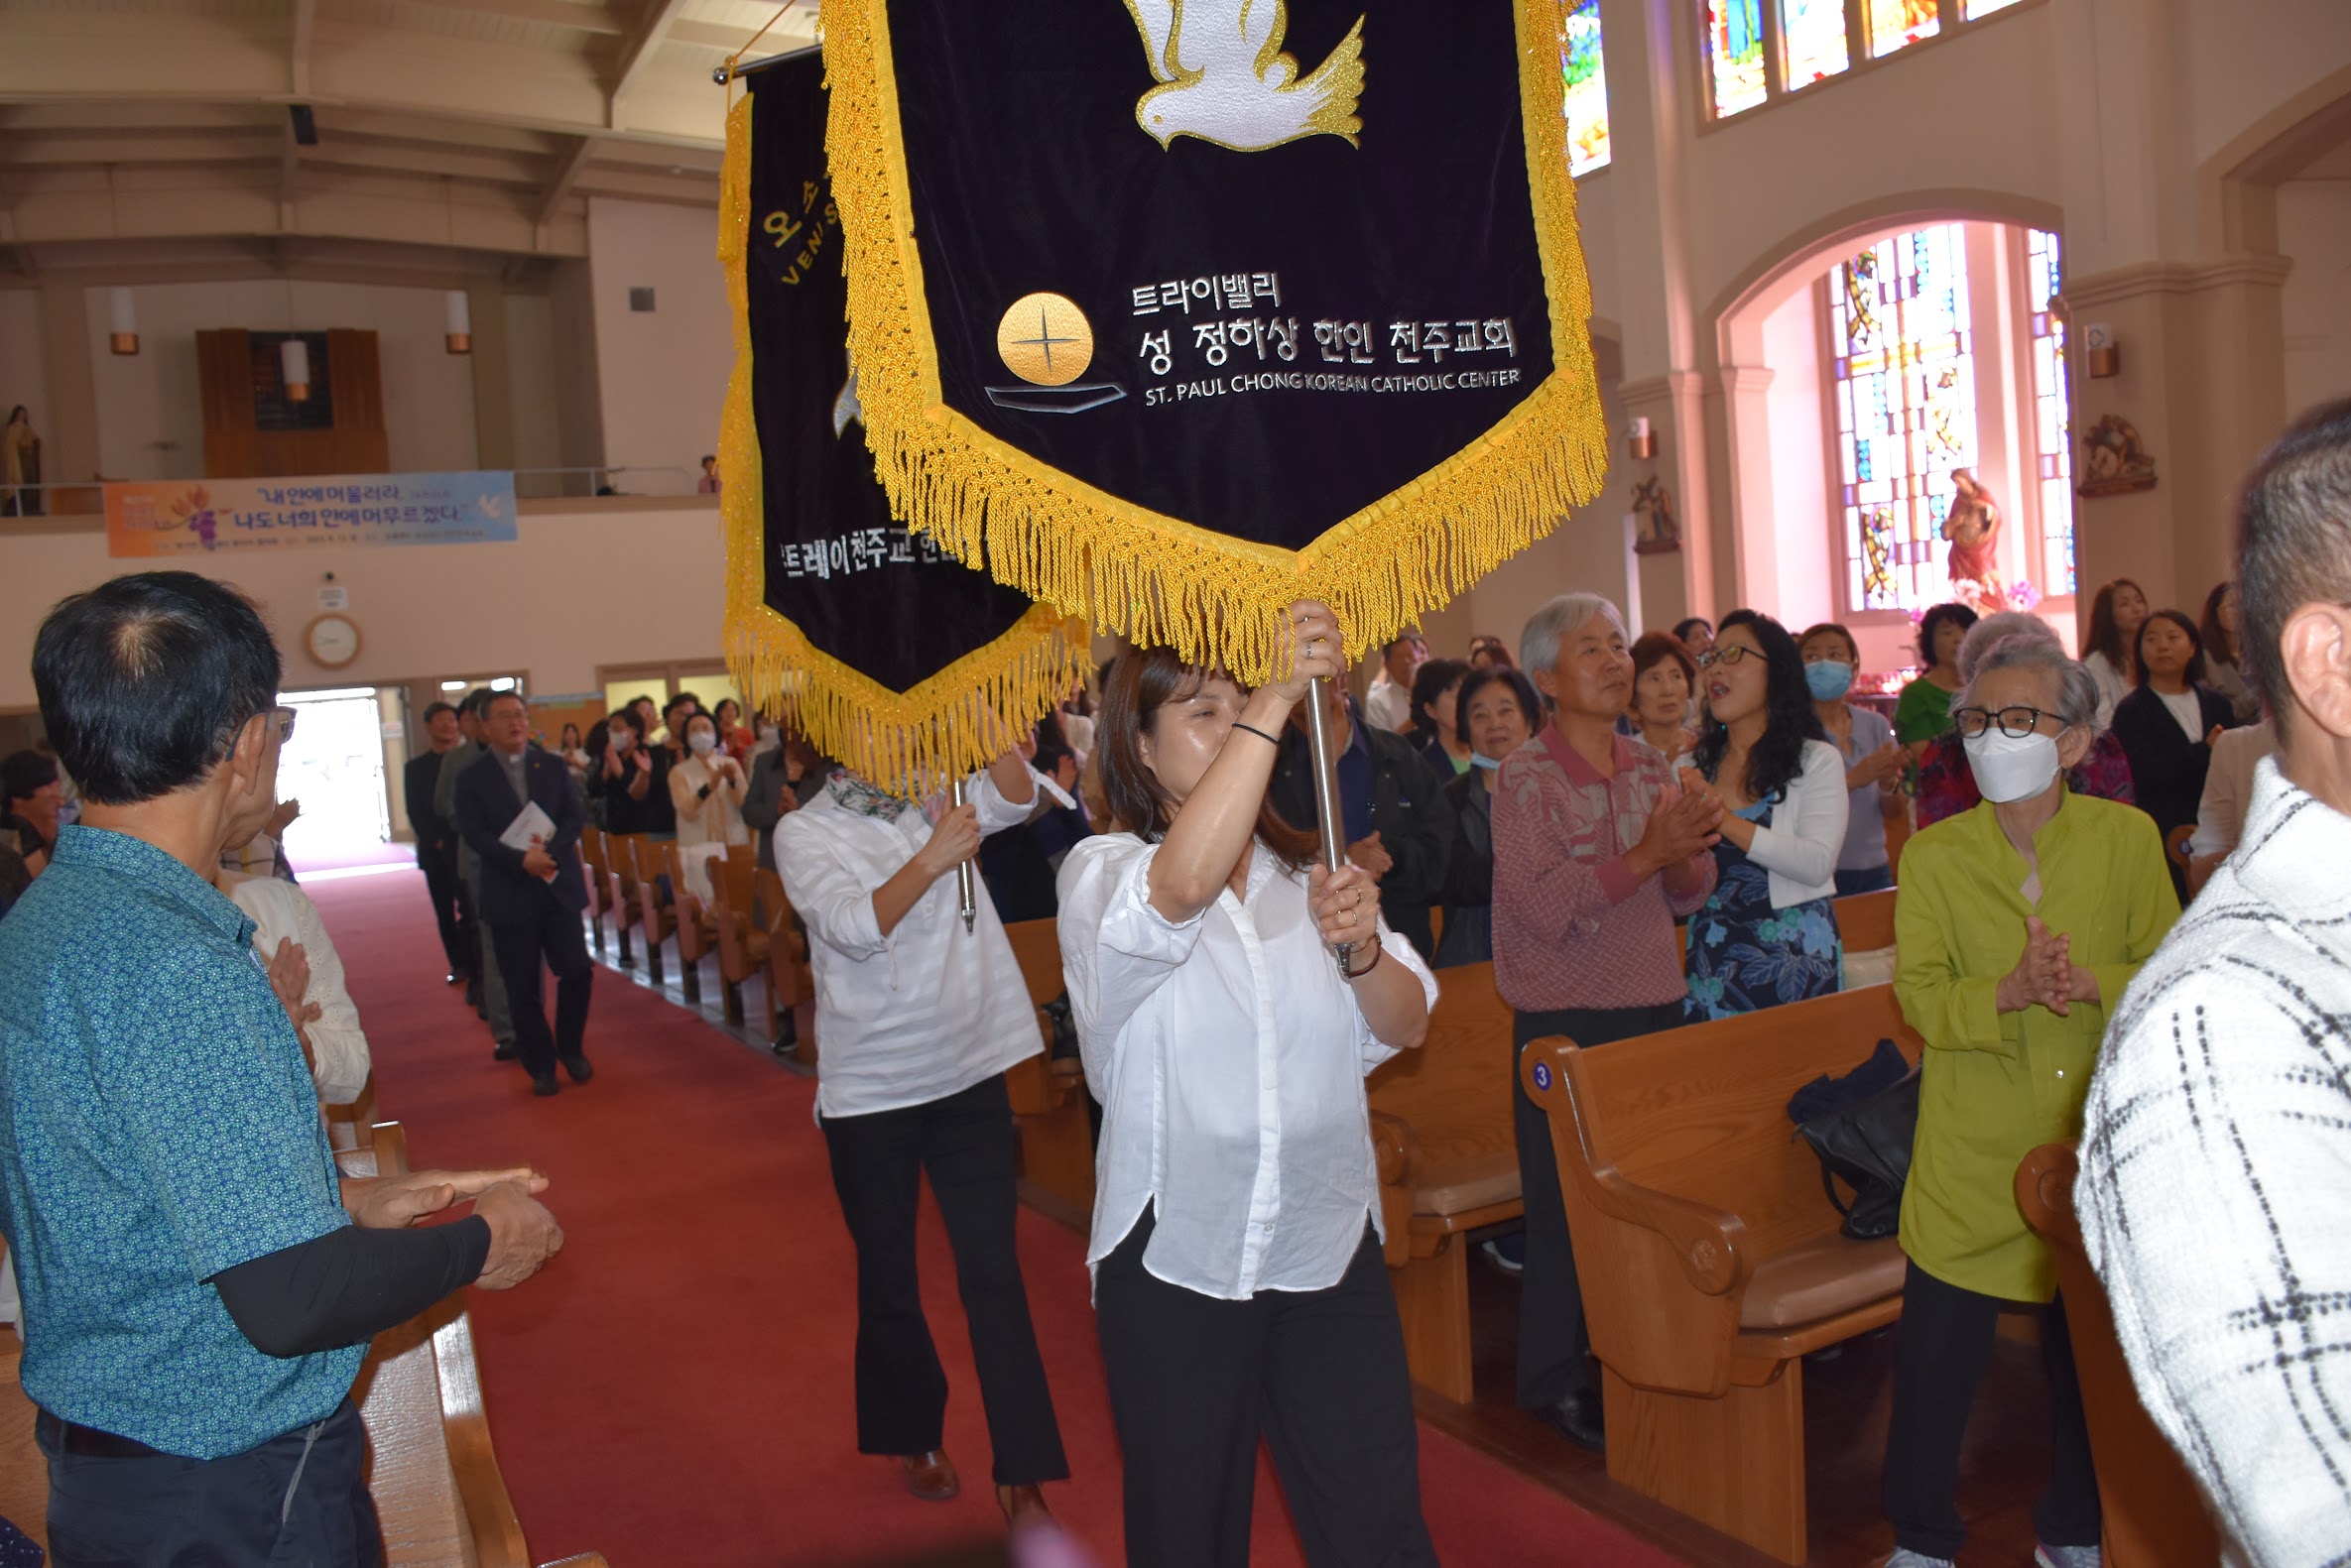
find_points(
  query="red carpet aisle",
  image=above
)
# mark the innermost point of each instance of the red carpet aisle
(676, 1389)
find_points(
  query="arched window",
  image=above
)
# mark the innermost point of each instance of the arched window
(1930, 370)
(1903, 367)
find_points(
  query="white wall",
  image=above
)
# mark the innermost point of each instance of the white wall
(663, 375)
(2314, 228)
(22, 377)
(433, 610)
(151, 419)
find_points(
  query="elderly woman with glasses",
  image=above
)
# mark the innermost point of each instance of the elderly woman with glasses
(2019, 923)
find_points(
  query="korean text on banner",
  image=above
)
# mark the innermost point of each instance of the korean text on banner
(183, 517)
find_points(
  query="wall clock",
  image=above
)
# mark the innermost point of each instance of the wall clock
(332, 640)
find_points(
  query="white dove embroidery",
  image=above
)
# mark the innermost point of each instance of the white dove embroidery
(1225, 80)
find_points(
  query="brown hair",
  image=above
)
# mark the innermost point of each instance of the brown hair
(1831, 629)
(1140, 685)
(2106, 634)
(1655, 648)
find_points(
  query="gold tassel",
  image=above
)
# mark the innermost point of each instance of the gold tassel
(1142, 574)
(956, 721)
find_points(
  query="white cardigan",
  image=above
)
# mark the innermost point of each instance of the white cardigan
(1801, 847)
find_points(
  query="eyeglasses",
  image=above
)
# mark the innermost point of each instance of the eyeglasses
(1726, 655)
(2016, 723)
(282, 720)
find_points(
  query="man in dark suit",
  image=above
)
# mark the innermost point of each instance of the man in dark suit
(1397, 823)
(437, 841)
(531, 898)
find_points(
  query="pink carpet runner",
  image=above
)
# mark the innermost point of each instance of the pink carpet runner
(674, 1391)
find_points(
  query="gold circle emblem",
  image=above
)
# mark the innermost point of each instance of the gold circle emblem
(1046, 341)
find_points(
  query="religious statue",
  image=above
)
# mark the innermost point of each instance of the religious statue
(1655, 531)
(1972, 529)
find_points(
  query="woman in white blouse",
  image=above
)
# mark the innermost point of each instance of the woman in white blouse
(1238, 1283)
(920, 1016)
(1767, 934)
(707, 789)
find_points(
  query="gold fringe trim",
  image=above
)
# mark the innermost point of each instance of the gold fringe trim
(1153, 577)
(954, 723)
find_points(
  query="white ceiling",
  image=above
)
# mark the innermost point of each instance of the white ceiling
(130, 128)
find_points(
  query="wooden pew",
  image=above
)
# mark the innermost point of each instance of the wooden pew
(2153, 1512)
(1048, 1098)
(691, 920)
(347, 1124)
(788, 966)
(742, 940)
(604, 881)
(1711, 1260)
(438, 1492)
(591, 871)
(1441, 1121)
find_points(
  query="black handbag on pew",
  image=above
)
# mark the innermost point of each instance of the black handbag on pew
(1861, 1126)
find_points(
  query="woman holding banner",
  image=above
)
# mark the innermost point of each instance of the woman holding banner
(1238, 1286)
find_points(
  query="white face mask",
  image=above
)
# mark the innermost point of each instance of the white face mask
(703, 741)
(2009, 768)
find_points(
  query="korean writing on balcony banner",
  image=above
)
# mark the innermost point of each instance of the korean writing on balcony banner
(894, 656)
(194, 517)
(1173, 312)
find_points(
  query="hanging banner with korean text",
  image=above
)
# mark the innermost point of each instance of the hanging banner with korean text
(895, 657)
(201, 516)
(1175, 310)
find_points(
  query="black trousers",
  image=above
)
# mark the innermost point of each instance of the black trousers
(556, 937)
(1194, 1380)
(300, 1501)
(965, 1142)
(438, 861)
(1554, 1347)
(1939, 1353)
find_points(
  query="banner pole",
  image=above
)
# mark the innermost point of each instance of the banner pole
(965, 880)
(1327, 794)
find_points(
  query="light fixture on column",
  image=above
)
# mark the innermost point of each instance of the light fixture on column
(123, 310)
(460, 321)
(293, 368)
(1641, 444)
(2104, 354)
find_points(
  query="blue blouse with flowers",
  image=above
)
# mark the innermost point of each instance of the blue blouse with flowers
(158, 1126)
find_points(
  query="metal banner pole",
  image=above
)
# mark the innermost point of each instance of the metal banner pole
(965, 878)
(1327, 794)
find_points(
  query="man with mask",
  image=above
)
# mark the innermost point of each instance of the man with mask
(518, 814)
(198, 1287)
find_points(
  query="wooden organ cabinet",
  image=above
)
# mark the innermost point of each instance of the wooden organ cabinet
(253, 429)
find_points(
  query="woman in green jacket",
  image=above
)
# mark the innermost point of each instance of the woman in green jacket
(2018, 926)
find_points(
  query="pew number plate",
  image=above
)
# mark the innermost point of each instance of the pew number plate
(1543, 1075)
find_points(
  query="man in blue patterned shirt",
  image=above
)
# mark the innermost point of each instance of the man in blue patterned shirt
(197, 1284)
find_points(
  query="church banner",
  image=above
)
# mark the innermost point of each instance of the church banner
(194, 516)
(1172, 312)
(895, 657)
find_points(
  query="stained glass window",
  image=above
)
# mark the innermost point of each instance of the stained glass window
(1735, 53)
(1905, 371)
(1587, 88)
(2044, 275)
(1976, 8)
(1894, 23)
(1812, 41)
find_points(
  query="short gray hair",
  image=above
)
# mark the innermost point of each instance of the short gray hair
(1539, 644)
(2077, 691)
(1998, 629)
